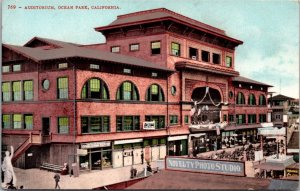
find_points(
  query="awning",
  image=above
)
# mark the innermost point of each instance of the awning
(119, 142)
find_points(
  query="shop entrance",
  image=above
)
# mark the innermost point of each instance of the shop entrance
(96, 159)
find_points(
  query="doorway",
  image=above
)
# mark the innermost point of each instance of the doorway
(46, 125)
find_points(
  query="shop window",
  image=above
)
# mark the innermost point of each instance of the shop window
(5, 69)
(262, 118)
(62, 88)
(158, 119)
(17, 91)
(28, 121)
(28, 90)
(193, 53)
(251, 118)
(216, 58)
(240, 98)
(251, 100)
(6, 91)
(173, 119)
(115, 49)
(95, 88)
(162, 141)
(155, 93)
(17, 121)
(95, 124)
(175, 49)
(16, 67)
(134, 47)
(154, 142)
(62, 65)
(128, 123)
(205, 56)
(262, 100)
(186, 119)
(241, 119)
(228, 61)
(127, 91)
(155, 47)
(94, 66)
(231, 118)
(63, 125)
(6, 121)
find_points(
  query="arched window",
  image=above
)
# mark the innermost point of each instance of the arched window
(155, 93)
(127, 91)
(95, 88)
(240, 98)
(251, 100)
(262, 100)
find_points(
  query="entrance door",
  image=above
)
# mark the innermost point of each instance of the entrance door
(46, 125)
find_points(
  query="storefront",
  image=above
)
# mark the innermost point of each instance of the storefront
(292, 170)
(95, 155)
(178, 145)
(246, 136)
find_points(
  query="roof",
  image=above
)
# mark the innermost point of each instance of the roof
(248, 81)
(162, 14)
(206, 68)
(167, 179)
(69, 50)
(281, 97)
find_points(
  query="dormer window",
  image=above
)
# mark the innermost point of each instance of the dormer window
(16, 67)
(5, 69)
(154, 74)
(127, 71)
(134, 47)
(115, 49)
(205, 56)
(175, 49)
(94, 66)
(62, 65)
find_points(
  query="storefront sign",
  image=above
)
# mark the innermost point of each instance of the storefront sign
(120, 142)
(206, 166)
(149, 125)
(82, 152)
(95, 145)
(292, 171)
(175, 138)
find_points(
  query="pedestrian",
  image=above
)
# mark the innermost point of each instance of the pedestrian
(56, 178)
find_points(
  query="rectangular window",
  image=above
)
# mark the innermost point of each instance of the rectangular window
(128, 123)
(175, 49)
(173, 119)
(193, 53)
(17, 91)
(241, 119)
(17, 121)
(127, 71)
(251, 118)
(16, 67)
(134, 47)
(262, 118)
(5, 69)
(62, 88)
(216, 58)
(95, 124)
(6, 91)
(186, 119)
(63, 125)
(28, 121)
(62, 65)
(277, 116)
(154, 74)
(224, 117)
(115, 49)
(205, 56)
(94, 66)
(228, 61)
(155, 48)
(158, 119)
(231, 118)
(28, 90)
(6, 121)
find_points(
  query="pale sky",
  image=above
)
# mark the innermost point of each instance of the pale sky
(269, 29)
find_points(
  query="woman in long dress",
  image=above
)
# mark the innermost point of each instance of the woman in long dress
(7, 167)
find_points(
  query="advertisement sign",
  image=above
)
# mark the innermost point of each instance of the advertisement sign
(95, 144)
(233, 168)
(149, 125)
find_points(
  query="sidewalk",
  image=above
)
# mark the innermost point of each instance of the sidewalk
(42, 179)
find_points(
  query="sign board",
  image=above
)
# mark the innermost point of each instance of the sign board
(258, 155)
(149, 125)
(95, 144)
(82, 152)
(206, 166)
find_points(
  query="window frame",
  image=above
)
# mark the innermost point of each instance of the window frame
(186, 119)
(262, 102)
(89, 124)
(86, 90)
(24, 90)
(151, 49)
(219, 58)
(9, 122)
(202, 56)
(240, 100)
(94, 66)
(228, 64)
(112, 47)
(242, 120)
(63, 65)
(159, 119)
(4, 70)
(251, 120)
(8, 94)
(134, 44)
(18, 69)
(197, 53)
(177, 52)
(173, 117)
(121, 92)
(20, 97)
(58, 125)
(160, 94)
(262, 118)
(58, 89)
(134, 118)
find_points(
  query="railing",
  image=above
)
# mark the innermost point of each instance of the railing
(22, 148)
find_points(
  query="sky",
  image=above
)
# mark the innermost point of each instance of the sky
(268, 28)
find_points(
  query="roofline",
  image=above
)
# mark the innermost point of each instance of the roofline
(21, 53)
(258, 83)
(100, 29)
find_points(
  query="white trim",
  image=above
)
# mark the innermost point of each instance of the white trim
(197, 134)
(175, 138)
(120, 142)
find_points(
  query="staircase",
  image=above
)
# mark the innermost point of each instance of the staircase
(33, 139)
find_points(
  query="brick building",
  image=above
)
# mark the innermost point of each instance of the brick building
(162, 84)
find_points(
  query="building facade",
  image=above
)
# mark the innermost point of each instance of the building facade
(162, 84)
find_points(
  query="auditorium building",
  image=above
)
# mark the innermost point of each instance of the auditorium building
(162, 84)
